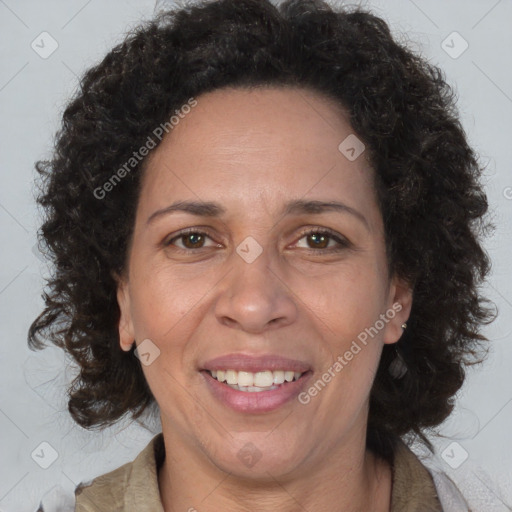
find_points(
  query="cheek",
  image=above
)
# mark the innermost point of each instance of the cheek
(168, 305)
(350, 312)
(347, 300)
(165, 309)
(162, 299)
(347, 308)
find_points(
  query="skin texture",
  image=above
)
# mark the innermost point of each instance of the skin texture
(252, 151)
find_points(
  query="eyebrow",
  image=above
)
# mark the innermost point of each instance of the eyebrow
(295, 207)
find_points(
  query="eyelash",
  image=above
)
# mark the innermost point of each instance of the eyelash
(343, 242)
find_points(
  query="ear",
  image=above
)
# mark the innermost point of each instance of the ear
(126, 330)
(399, 309)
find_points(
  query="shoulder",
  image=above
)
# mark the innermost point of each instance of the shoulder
(420, 487)
(133, 486)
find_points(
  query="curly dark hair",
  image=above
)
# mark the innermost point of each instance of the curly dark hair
(427, 181)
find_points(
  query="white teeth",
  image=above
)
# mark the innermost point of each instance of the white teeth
(245, 379)
(252, 389)
(231, 377)
(288, 376)
(253, 382)
(278, 377)
(262, 379)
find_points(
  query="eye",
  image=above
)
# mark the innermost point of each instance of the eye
(191, 239)
(320, 239)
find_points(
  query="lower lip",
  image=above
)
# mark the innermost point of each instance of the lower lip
(257, 401)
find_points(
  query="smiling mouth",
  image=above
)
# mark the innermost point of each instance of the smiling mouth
(254, 382)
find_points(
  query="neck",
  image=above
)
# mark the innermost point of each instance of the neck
(351, 479)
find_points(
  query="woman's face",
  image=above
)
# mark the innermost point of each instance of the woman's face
(250, 294)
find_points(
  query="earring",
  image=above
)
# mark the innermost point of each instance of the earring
(398, 368)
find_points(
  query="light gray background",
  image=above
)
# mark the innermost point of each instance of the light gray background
(33, 92)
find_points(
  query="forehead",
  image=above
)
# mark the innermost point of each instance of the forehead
(254, 146)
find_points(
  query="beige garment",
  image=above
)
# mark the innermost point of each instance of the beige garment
(134, 486)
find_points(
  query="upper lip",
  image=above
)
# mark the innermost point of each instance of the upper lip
(252, 363)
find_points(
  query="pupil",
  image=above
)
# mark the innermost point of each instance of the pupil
(317, 238)
(192, 237)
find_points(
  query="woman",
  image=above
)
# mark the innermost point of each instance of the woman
(266, 220)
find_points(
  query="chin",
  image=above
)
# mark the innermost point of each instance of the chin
(258, 457)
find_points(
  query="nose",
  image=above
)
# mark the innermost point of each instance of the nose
(254, 296)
